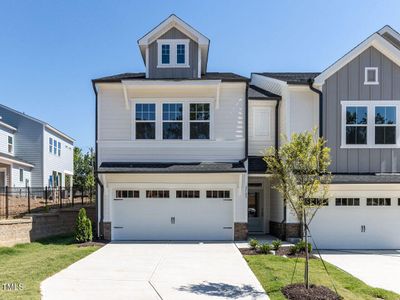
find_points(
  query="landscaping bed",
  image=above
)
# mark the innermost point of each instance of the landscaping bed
(24, 266)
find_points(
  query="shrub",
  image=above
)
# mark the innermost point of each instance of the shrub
(83, 231)
(276, 244)
(301, 247)
(265, 248)
(293, 250)
(253, 243)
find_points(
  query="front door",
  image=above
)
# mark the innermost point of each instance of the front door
(255, 210)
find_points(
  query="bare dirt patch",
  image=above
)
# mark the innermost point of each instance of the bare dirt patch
(298, 291)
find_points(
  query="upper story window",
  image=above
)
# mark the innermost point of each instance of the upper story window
(370, 124)
(145, 121)
(385, 125)
(356, 125)
(21, 175)
(199, 121)
(50, 145)
(173, 53)
(371, 76)
(54, 147)
(10, 142)
(172, 121)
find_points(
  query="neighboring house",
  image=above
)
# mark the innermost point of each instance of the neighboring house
(355, 103)
(32, 152)
(179, 150)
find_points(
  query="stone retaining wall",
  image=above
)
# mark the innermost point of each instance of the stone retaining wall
(42, 225)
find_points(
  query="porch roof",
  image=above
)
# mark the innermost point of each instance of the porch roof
(14, 159)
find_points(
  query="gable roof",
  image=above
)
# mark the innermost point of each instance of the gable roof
(386, 40)
(46, 125)
(171, 22)
(291, 77)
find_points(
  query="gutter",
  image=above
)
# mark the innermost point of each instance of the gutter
(99, 224)
(317, 91)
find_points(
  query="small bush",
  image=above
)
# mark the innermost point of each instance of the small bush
(293, 250)
(276, 244)
(301, 247)
(254, 243)
(83, 231)
(265, 248)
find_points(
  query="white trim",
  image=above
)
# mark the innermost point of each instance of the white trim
(199, 62)
(147, 62)
(376, 41)
(163, 83)
(51, 128)
(370, 124)
(173, 43)
(7, 126)
(66, 172)
(366, 70)
(16, 161)
(125, 96)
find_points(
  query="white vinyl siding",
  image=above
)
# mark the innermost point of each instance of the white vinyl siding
(26, 176)
(116, 123)
(4, 136)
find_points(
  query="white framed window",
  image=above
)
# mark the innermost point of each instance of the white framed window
(173, 53)
(10, 142)
(371, 76)
(50, 145)
(59, 149)
(54, 147)
(370, 124)
(199, 116)
(21, 175)
(145, 121)
(172, 121)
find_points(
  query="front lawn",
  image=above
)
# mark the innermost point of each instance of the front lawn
(275, 272)
(29, 264)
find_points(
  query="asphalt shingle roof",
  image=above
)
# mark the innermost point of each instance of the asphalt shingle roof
(143, 167)
(292, 77)
(365, 178)
(257, 165)
(223, 76)
(259, 94)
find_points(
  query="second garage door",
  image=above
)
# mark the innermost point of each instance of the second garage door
(357, 223)
(172, 215)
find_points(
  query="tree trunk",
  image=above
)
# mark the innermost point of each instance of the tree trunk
(306, 273)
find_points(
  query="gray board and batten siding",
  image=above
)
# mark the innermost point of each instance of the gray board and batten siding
(174, 72)
(348, 84)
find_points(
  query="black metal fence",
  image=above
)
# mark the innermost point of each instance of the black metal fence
(16, 202)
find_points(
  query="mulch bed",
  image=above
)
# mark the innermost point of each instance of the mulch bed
(298, 291)
(99, 243)
(282, 251)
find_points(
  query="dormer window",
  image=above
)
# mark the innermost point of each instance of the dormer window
(371, 76)
(173, 53)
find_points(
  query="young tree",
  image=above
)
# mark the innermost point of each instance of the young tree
(300, 169)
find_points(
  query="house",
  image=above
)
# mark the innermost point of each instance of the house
(180, 150)
(355, 104)
(32, 152)
(171, 144)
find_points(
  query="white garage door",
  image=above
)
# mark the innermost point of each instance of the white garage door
(345, 225)
(172, 215)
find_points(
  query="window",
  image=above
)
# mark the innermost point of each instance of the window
(199, 121)
(356, 125)
(378, 201)
(316, 201)
(218, 194)
(59, 149)
(347, 201)
(371, 76)
(180, 53)
(173, 53)
(145, 121)
(127, 194)
(385, 125)
(157, 194)
(21, 175)
(172, 121)
(10, 144)
(54, 146)
(165, 54)
(187, 194)
(50, 145)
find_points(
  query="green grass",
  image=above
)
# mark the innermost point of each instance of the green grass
(275, 272)
(29, 264)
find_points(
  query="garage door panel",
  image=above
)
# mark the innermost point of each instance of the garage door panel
(194, 219)
(340, 227)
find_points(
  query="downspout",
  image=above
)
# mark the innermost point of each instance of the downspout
(320, 95)
(246, 133)
(99, 223)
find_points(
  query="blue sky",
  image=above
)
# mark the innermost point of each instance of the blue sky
(50, 50)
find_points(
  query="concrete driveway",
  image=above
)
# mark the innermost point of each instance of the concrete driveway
(157, 271)
(376, 268)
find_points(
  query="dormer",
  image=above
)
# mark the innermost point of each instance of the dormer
(174, 50)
